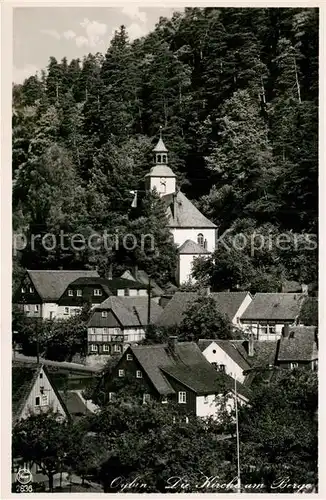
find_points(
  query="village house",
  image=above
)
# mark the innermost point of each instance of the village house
(268, 313)
(175, 372)
(228, 356)
(232, 304)
(50, 294)
(33, 392)
(119, 321)
(194, 234)
(298, 348)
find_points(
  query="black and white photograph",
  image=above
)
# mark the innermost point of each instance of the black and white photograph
(165, 228)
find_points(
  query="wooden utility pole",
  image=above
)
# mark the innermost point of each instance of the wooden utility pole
(149, 302)
(238, 442)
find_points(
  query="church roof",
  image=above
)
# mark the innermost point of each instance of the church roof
(160, 147)
(190, 247)
(160, 171)
(186, 214)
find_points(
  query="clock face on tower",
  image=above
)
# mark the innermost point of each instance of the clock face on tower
(163, 184)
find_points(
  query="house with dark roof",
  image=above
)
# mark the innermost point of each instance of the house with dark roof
(193, 233)
(119, 321)
(40, 291)
(227, 356)
(232, 304)
(33, 391)
(176, 372)
(61, 294)
(299, 348)
(268, 313)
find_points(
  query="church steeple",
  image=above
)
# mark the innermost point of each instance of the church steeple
(161, 152)
(161, 176)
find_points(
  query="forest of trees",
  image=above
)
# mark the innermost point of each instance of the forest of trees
(236, 92)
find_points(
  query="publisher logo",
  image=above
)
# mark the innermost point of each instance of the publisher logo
(24, 476)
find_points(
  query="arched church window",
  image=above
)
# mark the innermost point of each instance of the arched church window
(200, 239)
(158, 158)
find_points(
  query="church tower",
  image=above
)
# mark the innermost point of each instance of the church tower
(161, 176)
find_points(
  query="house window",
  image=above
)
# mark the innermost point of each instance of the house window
(66, 310)
(105, 330)
(27, 309)
(182, 397)
(205, 400)
(37, 401)
(106, 348)
(146, 397)
(41, 375)
(111, 396)
(129, 357)
(44, 400)
(23, 289)
(31, 289)
(79, 293)
(187, 420)
(104, 314)
(117, 348)
(263, 329)
(93, 330)
(200, 239)
(293, 365)
(272, 329)
(126, 292)
(97, 292)
(94, 348)
(221, 368)
(121, 373)
(36, 308)
(139, 374)
(164, 400)
(70, 293)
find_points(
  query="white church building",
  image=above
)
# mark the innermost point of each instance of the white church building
(194, 234)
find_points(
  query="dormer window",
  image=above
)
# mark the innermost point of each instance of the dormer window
(200, 239)
(97, 292)
(104, 314)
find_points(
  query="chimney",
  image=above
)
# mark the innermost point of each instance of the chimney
(172, 342)
(304, 289)
(135, 271)
(251, 345)
(285, 331)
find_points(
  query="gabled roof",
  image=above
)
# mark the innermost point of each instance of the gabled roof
(274, 306)
(192, 248)
(51, 284)
(300, 347)
(226, 302)
(185, 364)
(130, 311)
(24, 377)
(142, 277)
(265, 352)
(233, 348)
(187, 215)
(75, 406)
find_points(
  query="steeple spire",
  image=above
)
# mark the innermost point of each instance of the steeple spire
(160, 150)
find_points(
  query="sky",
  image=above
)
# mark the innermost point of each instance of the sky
(72, 32)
